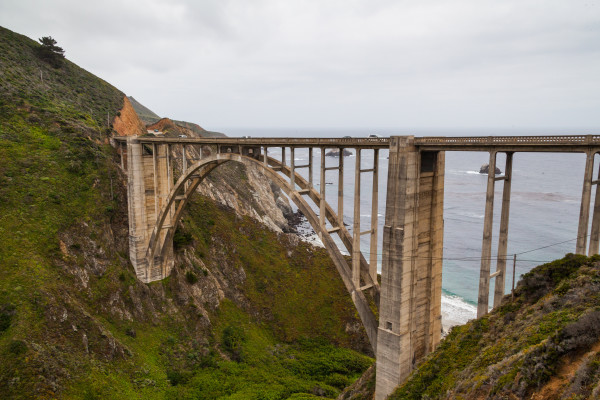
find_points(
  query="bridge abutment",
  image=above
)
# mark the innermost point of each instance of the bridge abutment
(411, 284)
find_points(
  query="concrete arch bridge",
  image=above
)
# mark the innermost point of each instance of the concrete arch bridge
(409, 324)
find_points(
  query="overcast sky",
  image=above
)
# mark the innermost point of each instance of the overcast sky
(348, 63)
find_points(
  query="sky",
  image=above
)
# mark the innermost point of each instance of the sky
(301, 64)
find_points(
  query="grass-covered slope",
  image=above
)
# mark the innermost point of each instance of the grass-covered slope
(245, 314)
(150, 118)
(147, 116)
(544, 344)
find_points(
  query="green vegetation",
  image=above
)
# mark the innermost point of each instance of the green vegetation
(147, 116)
(516, 350)
(50, 52)
(245, 314)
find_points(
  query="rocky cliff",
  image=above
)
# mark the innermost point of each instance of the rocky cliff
(127, 122)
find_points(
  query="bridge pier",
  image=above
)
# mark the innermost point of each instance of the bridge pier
(500, 273)
(595, 233)
(411, 281)
(486, 247)
(148, 186)
(584, 210)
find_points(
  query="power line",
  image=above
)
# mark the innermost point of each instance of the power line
(478, 258)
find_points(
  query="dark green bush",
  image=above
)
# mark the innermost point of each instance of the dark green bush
(233, 340)
(581, 333)
(181, 239)
(176, 377)
(191, 277)
(540, 280)
(17, 347)
(7, 311)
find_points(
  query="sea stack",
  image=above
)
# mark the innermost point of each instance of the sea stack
(336, 153)
(485, 169)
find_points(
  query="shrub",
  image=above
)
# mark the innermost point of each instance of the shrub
(7, 311)
(581, 333)
(177, 377)
(17, 347)
(191, 277)
(540, 280)
(181, 238)
(233, 339)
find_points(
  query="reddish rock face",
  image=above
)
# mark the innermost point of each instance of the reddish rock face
(128, 123)
(172, 128)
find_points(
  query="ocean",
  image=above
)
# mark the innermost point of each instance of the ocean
(545, 201)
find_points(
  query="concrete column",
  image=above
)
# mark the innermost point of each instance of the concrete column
(584, 211)
(437, 253)
(374, 217)
(155, 175)
(310, 167)
(292, 169)
(322, 200)
(503, 238)
(282, 158)
(265, 156)
(122, 158)
(486, 246)
(136, 202)
(341, 189)
(394, 339)
(184, 164)
(595, 234)
(169, 173)
(411, 275)
(160, 268)
(356, 224)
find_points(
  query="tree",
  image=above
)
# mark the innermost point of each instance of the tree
(50, 52)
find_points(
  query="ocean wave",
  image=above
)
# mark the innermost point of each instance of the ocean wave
(469, 214)
(456, 311)
(462, 172)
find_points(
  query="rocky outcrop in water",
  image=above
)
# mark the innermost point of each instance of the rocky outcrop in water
(485, 169)
(336, 153)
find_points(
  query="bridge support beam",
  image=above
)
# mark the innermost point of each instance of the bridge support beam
(595, 234)
(584, 210)
(486, 245)
(147, 190)
(411, 281)
(503, 239)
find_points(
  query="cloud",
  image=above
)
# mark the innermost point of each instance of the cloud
(337, 63)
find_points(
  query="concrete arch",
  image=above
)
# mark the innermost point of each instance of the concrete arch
(160, 245)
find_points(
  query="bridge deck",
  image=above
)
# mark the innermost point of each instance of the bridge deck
(371, 143)
(560, 144)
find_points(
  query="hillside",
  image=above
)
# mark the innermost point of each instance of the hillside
(147, 116)
(542, 345)
(153, 121)
(247, 313)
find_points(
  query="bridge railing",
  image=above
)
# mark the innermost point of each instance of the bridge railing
(510, 140)
(272, 142)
